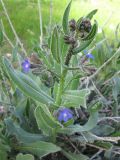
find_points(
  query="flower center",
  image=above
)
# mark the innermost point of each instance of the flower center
(65, 114)
(27, 66)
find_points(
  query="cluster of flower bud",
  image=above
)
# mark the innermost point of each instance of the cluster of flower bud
(83, 26)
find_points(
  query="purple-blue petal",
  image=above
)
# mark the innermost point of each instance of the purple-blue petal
(64, 114)
(90, 56)
(26, 65)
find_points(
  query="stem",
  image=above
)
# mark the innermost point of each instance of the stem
(51, 10)
(61, 87)
(13, 29)
(69, 55)
(40, 19)
(5, 35)
(63, 76)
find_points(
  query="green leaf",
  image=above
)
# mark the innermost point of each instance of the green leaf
(14, 54)
(55, 44)
(65, 19)
(87, 127)
(92, 33)
(4, 147)
(73, 156)
(3, 155)
(45, 120)
(39, 148)
(106, 145)
(22, 135)
(79, 22)
(68, 123)
(21, 156)
(26, 84)
(82, 46)
(3, 151)
(86, 137)
(1, 36)
(103, 130)
(75, 98)
(91, 14)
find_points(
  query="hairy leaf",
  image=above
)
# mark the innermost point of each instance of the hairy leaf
(82, 46)
(22, 135)
(65, 19)
(45, 120)
(75, 98)
(91, 14)
(21, 156)
(26, 84)
(73, 156)
(39, 148)
(55, 45)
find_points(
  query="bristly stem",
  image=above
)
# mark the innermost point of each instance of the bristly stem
(61, 87)
(69, 55)
(63, 76)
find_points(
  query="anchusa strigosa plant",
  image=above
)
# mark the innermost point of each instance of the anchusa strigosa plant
(47, 102)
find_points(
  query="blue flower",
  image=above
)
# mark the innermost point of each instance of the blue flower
(90, 56)
(64, 115)
(26, 65)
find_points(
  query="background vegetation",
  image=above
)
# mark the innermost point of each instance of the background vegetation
(25, 17)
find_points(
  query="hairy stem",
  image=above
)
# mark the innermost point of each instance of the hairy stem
(63, 76)
(69, 55)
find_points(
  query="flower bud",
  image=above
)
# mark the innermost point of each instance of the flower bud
(69, 40)
(72, 25)
(85, 25)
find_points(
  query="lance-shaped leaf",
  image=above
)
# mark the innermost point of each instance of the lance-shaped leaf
(22, 135)
(26, 84)
(21, 156)
(65, 19)
(75, 98)
(73, 156)
(92, 33)
(82, 46)
(45, 120)
(87, 127)
(91, 14)
(55, 44)
(39, 148)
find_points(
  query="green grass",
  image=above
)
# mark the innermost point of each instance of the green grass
(25, 18)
